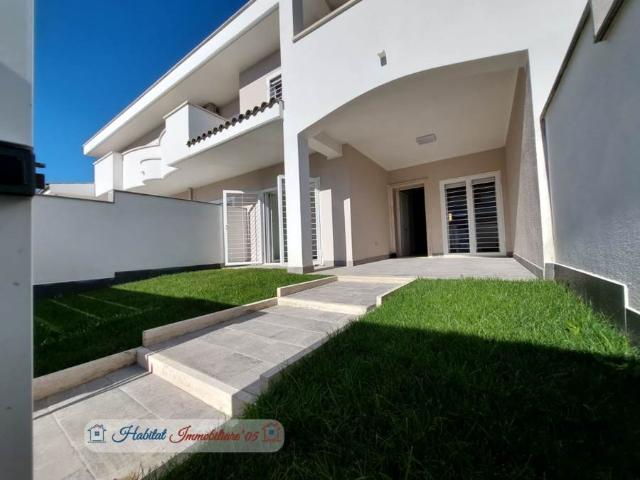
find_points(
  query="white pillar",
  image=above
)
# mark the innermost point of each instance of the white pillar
(15, 337)
(296, 172)
(16, 340)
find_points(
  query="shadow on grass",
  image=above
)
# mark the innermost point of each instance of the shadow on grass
(74, 329)
(387, 402)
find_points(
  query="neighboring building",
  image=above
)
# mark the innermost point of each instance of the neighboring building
(591, 126)
(338, 132)
(77, 190)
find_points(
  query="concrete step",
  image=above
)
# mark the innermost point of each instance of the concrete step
(348, 296)
(228, 365)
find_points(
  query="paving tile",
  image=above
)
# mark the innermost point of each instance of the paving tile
(74, 395)
(246, 343)
(118, 465)
(293, 336)
(112, 404)
(53, 455)
(321, 315)
(353, 293)
(301, 323)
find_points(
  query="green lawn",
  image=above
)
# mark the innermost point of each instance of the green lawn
(72, 329)
(455, 379)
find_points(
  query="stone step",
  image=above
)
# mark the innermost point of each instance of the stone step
(228, 365)
(346, 296)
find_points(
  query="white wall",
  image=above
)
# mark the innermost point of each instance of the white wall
(522, 209)
(339, 61)
(254, 82)
(16, 353)
(77, 239)
(108, 174)
(593, 143)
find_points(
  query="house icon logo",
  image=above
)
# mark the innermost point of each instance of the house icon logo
(96, 434)
(272, 432)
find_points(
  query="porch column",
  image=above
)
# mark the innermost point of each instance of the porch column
(296, 172)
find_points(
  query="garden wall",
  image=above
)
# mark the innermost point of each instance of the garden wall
(79, 240)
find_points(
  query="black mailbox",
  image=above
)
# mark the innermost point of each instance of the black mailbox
(18, 170)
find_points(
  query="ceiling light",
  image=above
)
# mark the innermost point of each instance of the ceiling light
(425, 139)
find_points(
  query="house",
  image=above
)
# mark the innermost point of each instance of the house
(340, 132)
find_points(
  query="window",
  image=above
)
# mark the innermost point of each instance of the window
(275, 87)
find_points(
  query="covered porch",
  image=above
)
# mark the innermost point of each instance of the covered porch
(438, 163)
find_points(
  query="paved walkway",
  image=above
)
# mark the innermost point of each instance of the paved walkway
(59, 434)
(440, 267)
(211, 373)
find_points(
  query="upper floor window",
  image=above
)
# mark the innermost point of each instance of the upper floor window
(310, 14)
(275, 87)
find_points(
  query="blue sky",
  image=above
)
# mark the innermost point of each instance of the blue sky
(93, 57)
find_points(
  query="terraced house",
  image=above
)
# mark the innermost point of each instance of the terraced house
(340, 132)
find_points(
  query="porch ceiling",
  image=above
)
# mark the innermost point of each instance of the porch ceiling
(468, 109)
(257, 149)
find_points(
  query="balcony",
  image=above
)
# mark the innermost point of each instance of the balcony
(312, 14)
(142, 164)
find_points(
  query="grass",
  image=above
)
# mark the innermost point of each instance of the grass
(455, 379)
(72, 329)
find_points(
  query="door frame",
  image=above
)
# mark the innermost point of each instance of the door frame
(259, 204)
(393, 195)
(468, 179)
(267, 242)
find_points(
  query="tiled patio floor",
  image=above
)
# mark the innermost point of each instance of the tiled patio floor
(439, 267)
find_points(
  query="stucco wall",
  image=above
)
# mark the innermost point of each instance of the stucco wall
(592, 146)
(434, 172)
(335, 213)
(77, 239)
(522, 211)
(369, 206)
(254, 82)
(250, 182)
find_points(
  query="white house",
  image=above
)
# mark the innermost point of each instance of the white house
(338, 132)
